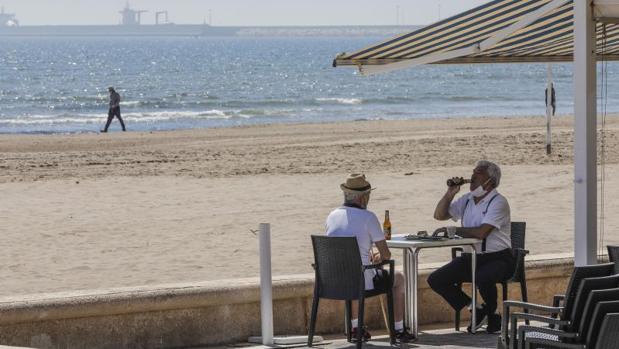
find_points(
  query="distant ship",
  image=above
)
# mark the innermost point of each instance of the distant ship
(7, 19)
(131, 25)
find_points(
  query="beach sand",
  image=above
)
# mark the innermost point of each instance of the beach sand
(124, 209)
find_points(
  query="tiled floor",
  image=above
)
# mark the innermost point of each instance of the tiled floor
(433, 339)
(447, 339)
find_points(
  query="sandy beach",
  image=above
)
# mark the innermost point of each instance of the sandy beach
(122, 209)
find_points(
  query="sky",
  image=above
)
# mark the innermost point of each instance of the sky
(241, 12)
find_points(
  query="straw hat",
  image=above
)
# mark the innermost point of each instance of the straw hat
(356, 182)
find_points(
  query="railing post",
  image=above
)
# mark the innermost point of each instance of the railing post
(266, 285)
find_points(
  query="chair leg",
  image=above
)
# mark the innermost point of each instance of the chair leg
(390, 316)
(360, 328)
(348, 318)
(525, 298)
(457, 317)
(312, 327)
(505, 290)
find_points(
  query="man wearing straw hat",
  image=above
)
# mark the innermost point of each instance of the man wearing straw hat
(354, 219)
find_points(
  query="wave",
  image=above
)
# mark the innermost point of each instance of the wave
(145, 117)
(341, 100)
(130, 103)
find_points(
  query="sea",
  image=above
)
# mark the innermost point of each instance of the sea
(59, 84)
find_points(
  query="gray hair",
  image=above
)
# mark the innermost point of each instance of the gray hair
(352, 196)
(494, 171)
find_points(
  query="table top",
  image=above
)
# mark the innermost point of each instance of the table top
(399, 241)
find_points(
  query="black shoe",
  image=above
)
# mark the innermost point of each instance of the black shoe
(365, 336)
(404, 336)
(103, 131)
(494, 323)
(480, 318)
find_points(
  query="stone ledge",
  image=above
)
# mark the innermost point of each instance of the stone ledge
(211, 313)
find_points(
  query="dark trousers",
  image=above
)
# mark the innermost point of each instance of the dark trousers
(490, 268)
(110, 116)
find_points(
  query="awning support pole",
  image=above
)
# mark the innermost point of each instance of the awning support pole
(585, 141)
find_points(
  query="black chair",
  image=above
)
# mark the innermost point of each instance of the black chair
(559, 315)
(340, 275)
(518, 230)
(613, 256)
(609, 332)
(574, 328)
(602, 329)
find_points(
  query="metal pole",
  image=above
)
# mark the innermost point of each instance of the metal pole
(585, 152)
(415, 294)
(474, 289)
(266, 291)
(549, 110)
(408, 314)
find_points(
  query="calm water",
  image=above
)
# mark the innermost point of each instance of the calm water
(60, 84)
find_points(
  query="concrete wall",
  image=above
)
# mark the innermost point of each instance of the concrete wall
(210, 313)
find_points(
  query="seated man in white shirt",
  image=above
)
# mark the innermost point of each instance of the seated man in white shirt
(353, 219)
(485, 215)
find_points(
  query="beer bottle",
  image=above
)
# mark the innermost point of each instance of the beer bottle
(387, 226)
(457, 181)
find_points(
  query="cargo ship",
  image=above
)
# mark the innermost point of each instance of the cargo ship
(131, 25)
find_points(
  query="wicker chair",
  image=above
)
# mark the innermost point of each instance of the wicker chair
(574, 329)
(559, 314)
(340, 275)
(602, 333)
(518, 232)
(608, 336)
(613, 256)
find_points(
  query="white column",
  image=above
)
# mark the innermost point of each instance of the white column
(266, 288)
(585, 151)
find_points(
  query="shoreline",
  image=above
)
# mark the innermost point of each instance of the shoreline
(293, 123)
(292, 148)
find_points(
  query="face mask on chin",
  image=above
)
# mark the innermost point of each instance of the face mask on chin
(479, 191)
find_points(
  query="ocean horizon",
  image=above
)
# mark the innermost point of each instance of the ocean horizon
(59, 84)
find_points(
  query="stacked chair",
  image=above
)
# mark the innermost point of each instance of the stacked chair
(585, 317)
(613, 256)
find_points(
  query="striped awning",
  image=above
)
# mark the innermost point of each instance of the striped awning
(500, 31)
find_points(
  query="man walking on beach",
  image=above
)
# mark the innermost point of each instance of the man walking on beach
(114, 110)
(353, 219)
(485, 215)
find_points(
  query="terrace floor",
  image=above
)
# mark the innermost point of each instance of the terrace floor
(428, 339)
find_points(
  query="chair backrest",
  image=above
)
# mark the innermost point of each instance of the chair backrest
(600, 311)
(613, 256)
(608, 336)
(518, 230)
(584, 290)
(596, 296)
(339, 272)
(518, 234)
(579, 273)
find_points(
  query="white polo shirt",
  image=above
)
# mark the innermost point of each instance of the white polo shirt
(493, 209)
(363, 224)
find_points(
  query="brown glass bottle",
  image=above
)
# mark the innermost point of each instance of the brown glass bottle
(387, 226)
(457, 181)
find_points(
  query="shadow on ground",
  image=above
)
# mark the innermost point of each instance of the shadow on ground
(446, 339)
